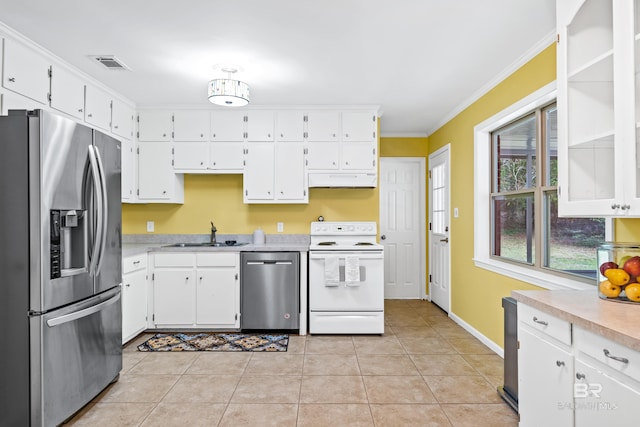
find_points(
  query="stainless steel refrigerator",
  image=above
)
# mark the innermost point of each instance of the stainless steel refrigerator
(60, 266)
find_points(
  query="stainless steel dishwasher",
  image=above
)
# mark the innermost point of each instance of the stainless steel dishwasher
(269, 290)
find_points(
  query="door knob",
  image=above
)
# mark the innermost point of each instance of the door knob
(383, 237)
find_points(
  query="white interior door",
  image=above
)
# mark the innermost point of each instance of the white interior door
(402, 226)
(439, 248)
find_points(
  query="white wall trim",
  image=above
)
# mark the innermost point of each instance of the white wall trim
(523, 59)
(476, 333)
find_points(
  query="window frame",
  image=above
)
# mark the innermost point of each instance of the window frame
(543, 277)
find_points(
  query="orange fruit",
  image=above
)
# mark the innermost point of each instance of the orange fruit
(617, 276)
(633, 291)
(610, 290)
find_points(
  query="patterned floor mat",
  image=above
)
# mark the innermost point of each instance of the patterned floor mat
(216, 342)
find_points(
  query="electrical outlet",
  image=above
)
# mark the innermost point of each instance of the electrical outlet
(150, 226)
(280, 227)
(455, 212)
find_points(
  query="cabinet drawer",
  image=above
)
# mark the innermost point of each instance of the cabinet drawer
(134, 263)
(173, 260)
(220, 259)
(595, 346)
(545, 323)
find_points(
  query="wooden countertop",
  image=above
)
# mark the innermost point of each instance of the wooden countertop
(619, 322)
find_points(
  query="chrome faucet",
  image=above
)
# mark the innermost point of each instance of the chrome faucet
(213, 233)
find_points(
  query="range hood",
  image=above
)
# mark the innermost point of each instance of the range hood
(341, 179)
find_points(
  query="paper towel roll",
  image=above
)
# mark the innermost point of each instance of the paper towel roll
(258, 237)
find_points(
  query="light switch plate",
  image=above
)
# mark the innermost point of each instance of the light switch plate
(280, 226)
(150, 226)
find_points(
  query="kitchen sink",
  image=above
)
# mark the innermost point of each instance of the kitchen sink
(226, 244)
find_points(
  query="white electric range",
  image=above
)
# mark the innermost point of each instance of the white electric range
(346, 279)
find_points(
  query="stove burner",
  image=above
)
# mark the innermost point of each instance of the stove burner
(326, 243)
(364, 244)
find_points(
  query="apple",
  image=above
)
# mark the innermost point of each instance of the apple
(607, 265)
(632, 266)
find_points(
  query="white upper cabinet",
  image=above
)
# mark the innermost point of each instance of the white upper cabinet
(227, 126)
(191, 126)
(191, 156)
(67, 92)
(359, 126)
(598, 114)
(260, 126)
(129, 169)
(289, 126)
(25, 72)
(290, 176)
(323, 126)
(154, 125)
(122, 119)
(258, 177)
(97, 108)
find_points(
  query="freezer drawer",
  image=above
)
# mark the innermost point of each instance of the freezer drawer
(269, 290)
(76, 353)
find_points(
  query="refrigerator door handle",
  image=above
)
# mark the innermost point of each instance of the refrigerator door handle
(82, 313)
(105, 208)
(97, 185)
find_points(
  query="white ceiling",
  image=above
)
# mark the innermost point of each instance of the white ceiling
(419, 60)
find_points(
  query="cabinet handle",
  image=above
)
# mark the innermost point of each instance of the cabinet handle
(202, 135)
(127, 285)
(115, 127)
(625, 207)
(580, 376)
(559, 363)
(281, 135)
(90, 115)
(79, 110)
(164, 192)
(136, 262)
(346, 135)
(542, 322)
(12, 79)
(615, 206)
(619, 359)
(201, 278)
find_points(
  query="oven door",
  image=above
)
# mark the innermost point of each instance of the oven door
(328, 294)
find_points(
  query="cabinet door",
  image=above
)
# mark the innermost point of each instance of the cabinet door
(190, 156)
(323, 156)
(217, 296)
(67, 92)
(128, 163)
(173, 297)
(259, 172)
(154, 125)
(357, 155)
(13, 101)
(290, 174)
(97, 108)
(227, 126)
(545, 382)
(134, 303)
(323, 126)
(227, 156)
(290, 126)
(25, 72)
(601, 400)
(359, 126)
(122, 117)
(155, 172)
(595, 107)
(260, 126)
(191, 125)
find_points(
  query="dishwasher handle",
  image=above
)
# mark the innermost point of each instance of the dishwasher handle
(269, 262)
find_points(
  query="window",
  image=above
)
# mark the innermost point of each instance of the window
(525, 226)
(517, 231)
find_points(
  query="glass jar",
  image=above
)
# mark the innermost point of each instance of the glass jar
(619, 272)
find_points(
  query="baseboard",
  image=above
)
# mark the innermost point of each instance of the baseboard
(473, 331)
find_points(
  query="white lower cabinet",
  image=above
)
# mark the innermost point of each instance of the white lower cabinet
(134, 296)
(199, 289)
(545, 369)
(570, 376)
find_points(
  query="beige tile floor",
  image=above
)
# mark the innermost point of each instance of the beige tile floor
(424, 371)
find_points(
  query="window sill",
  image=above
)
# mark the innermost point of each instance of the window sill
(533, 277)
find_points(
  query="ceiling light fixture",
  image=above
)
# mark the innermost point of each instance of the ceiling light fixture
(228, 92)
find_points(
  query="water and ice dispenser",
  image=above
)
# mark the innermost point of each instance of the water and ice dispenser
(68, 247)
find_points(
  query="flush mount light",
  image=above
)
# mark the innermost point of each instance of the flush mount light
(228, 92)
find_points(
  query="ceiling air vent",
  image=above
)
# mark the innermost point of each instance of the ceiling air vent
(110, 62)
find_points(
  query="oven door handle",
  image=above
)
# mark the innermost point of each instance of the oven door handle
(361, 256)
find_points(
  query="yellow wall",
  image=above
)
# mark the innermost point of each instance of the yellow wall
(476, 294)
